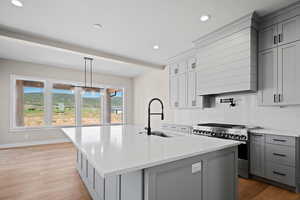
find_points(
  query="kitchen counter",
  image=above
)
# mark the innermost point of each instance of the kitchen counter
(276, 132)
(115, 150)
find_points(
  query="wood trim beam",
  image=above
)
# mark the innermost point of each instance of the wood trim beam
(8, 33)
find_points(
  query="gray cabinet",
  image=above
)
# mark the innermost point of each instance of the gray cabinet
(281, 33)
(279, 75)
(212, 176)
(274, 157)
(268, 81)
(289, 31)
(115, 187)
(279, 40)
(257, 154)
(289, 73)
(268, 37)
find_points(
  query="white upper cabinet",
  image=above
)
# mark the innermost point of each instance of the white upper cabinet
(173, 91)
(268, 38)
(182, 90)
(183, 83)
(178, 85)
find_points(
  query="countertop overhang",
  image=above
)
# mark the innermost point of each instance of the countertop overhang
(115, 150)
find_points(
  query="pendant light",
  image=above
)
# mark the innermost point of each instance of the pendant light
(86, 61)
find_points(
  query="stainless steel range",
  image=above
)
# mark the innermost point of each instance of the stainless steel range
(231, 132)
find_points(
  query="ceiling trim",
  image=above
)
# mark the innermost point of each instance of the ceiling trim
(7, 33)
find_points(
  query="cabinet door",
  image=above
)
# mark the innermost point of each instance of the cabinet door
(257, 154)
(182, 66)
(173, 69)
(193, 101)
(289, 30)
(268, 77)
(268, 38)
(289, 73)
(182, 83)
(192, 64)
(191, 89)
(174, 91)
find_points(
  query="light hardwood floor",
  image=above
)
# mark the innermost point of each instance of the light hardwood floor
(48, 172)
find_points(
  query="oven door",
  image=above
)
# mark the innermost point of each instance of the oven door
(243, 160)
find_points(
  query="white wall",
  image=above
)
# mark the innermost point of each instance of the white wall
(8, 67)
(155, 84)
(152, 84)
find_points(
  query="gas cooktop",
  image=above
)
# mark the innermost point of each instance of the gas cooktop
(225, 131)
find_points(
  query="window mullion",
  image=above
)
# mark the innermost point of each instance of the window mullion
(48, 103)
(78, 106)
(104, 107)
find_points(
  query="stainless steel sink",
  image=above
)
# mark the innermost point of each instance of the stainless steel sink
(157, 133)
(160, 134)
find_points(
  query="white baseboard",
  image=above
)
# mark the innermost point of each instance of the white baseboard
(25, 144)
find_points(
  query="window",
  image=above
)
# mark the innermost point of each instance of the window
(63, 105)
(40, 103)
(91, 106)
(115, 101)
(29, 103)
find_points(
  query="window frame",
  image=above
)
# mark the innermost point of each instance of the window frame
(48, 86)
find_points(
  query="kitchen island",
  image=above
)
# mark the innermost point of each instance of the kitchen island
(119, 163)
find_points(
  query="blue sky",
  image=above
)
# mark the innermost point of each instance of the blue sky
(58, 91)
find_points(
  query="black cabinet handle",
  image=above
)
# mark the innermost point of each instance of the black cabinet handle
(275, 39)
(278, 173)
(278, 154)
(274, 98)
(278, 140)
(280, 37)
(279, 97)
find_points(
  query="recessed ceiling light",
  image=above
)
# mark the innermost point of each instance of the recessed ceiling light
(155, 47)
(98, 26)
(17, 3)
(204, 18)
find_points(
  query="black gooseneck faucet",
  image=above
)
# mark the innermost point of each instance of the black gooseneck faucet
(149, 113)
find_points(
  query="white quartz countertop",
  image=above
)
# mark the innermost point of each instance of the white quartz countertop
(276, 132)
(114, 150)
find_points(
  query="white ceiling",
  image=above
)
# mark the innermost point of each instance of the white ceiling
(30, 52)
(130, 27)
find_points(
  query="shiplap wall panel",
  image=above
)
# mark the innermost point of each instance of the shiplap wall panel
(228, 65)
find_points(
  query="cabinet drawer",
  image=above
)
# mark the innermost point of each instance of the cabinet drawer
(99, 186)
(280, 173)
(279, 154)
(280, 140)
(257, 138)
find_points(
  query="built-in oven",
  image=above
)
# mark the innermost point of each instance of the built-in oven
(243, 159)
(229, 132)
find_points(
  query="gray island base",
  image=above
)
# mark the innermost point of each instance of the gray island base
(211, 176)
(119, 163)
